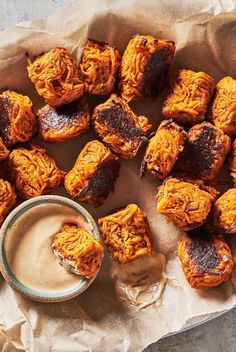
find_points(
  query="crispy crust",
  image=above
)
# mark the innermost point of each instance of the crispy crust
(145, 67)
(225, 211)
(77, 250)
(119, 127)
(99, 65)
(56, 77)
(223, 108)
(32, 171)
(126, 234)
(189, 97)
(232, 162)
(94, 174)
(205, 151)
(186, 204)
(206, 258)
(7, 198)
(17, 123)
(4, 152)
(64, 123)
(164, 148)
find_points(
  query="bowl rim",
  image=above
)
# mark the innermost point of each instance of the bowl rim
(33, 294)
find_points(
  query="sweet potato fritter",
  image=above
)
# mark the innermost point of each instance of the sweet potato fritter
(185, 203)
(32, 171)
(99, 65)
(126, 234)
(17, 120)
(205, 151)
(4, 152)
(232, 162)
(56, 77)
(205, 257)
(145, 67)
(119, 127)
(7, 198)
(190, 95)
(94, 174)
(77, 250)
(164, 148)
(65, 122)
(225, 211)
(223, 108)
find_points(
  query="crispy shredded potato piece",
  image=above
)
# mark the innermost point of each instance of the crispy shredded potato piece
(17, 123)
(7, 198)
(190, 95)
(4, 152)
(56, 77)
(206, 258)
(65, 122)
(99, 65)
(223, 108)
(119, 127)
(32, 171)
(94, 174)
(145, 67)
(232, 162)
(205, 151)
(126, 234)
(225, 211)
(77, 250)
(186, 204)
(164, 148)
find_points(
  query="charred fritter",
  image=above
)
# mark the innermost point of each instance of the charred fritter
(4, 152)
(56, 77)
(164, 148)
(189, 97)
(119, 127)
(7, 198)
(205, 257)
(205, 151)
(126, 234)
(223, 107)
(145, 67)
(232, 162)
(186, 204)
(94, 174)
(77, 250)
(225, 211)
(32, 171)
(17, 120)
(99, 65)
(65, 122)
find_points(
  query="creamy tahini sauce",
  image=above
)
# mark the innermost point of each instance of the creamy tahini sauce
(29, 252)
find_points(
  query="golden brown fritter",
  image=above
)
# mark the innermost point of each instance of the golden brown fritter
(225, 211)
(56, 77)
(205, 257)
(164, 148)
(7, 198)
(126, 234)
(223, 108)
(186, 204)
(232, 162)
(99, 65)
(4, 152)
(32, 171)
(189, 97)
(145, 67)
(65, 122)
(205, 151)
(119, 127)
(94, 174)
(17, 120)
(77, 250)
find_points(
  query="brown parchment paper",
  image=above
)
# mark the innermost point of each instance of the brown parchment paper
(205, 33)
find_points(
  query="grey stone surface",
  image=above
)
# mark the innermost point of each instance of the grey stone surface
(218, 335)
